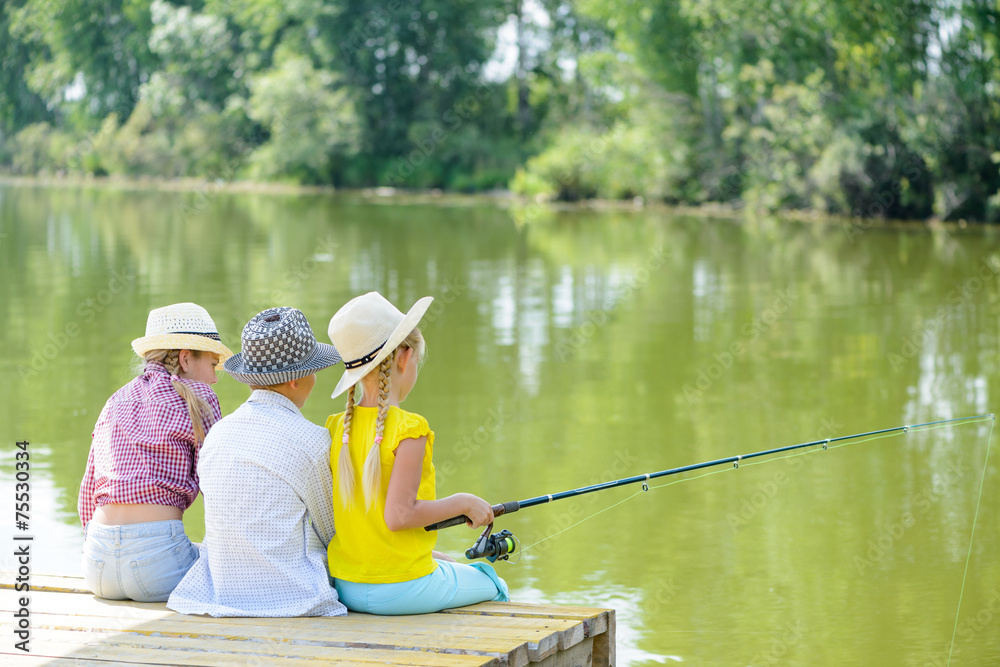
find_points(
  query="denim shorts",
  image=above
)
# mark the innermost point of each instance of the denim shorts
(141, 561)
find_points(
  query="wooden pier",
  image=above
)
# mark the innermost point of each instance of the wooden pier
(71, 626)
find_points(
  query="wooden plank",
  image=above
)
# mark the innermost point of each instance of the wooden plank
(598, 623)
(604, 643)
(581, 655)
(63, 603)
(118, 654)
(595, 620)
(29, 660)
(356, 624)
(94, 606)
(529, 607)
(511, 650)
(68, 642)
(540, 636)
(510, 632)
(71, 584)
(280, 649)
(47, 582)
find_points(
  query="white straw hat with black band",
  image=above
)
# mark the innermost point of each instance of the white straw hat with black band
(366, 329)
(181, 326)
(278, 346)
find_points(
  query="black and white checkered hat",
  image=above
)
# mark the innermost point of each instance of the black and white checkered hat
(278, 346)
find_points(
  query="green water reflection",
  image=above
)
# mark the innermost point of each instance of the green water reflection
(578, 348)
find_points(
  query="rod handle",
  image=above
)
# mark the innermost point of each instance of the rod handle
(498, 510)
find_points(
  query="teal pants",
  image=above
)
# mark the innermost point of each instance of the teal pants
(449, 585)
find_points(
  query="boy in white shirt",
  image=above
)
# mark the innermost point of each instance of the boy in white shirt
(265, 475)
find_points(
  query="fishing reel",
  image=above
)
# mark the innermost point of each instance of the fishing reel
(492, 547)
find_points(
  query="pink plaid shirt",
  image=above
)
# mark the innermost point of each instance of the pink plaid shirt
(143, 449)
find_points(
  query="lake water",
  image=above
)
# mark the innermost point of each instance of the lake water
(567, 348)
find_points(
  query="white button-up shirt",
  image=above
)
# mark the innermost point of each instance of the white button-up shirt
(265, 475)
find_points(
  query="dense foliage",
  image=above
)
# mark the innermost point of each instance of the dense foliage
(869, 110)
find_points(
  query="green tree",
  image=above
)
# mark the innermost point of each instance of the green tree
(969, 145)
(415, 64)
(101, 45)
(311, 120)
(889, 109)
(197, 55)
(19, 104)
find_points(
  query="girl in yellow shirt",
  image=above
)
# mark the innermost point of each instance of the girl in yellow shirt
(381, 558)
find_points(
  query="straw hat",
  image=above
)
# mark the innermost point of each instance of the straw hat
(366, 329)
(181, 326)
(278, 346)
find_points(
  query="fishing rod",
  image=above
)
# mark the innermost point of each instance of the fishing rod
(499, 546)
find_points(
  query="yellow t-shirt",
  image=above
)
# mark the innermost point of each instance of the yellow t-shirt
(364, 550)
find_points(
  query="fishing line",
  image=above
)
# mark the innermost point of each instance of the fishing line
(968, 556)
(514, 506)
(930, 426)
(586, 518)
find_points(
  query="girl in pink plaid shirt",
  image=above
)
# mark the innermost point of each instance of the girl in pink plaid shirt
(142, 469)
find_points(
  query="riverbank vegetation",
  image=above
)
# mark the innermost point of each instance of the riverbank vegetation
(870, 111)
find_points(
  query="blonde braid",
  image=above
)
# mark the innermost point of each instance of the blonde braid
(345, 468)
(198, 408)
(371, 476)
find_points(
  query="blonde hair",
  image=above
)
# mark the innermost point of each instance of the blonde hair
(371, 474)
(198, 408)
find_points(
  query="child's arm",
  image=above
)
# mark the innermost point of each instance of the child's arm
(404, 510)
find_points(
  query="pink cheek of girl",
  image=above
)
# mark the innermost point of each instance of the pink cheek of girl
(203, 369)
